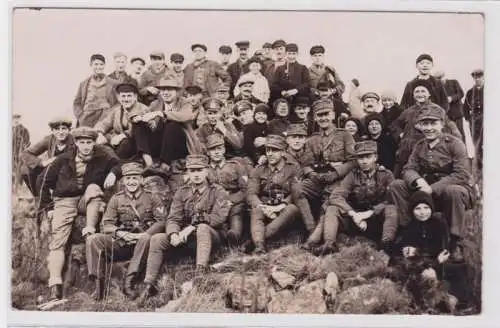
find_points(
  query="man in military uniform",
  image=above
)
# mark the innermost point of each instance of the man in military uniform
(233, 177)
(240, 66)
(361, 203)
(132, 216)
(222, 93)
(197, 216)
(296, 138)
(319, 72)
(274, 195)
(77, 180)
(474, 110)
(438, 165)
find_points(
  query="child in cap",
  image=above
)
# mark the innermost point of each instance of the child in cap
(390, 107)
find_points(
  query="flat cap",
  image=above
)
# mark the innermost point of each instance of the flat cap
(193, 89)
(222, 88)
(317, 50)
(365, 147)
(126, 87)
(16, 115)
(60, 120)
(245, 79)
(430, 112)
(276, 142)
(243, 44)
(370, 94)
(119, 54)
(301, 101)
(84, 132)
(134, 59)
(422, 83)
(177, 58)
(212, 104)
(226, 50)
(132, 168)
(279, 43)
(267, 45)
(168, 83)
(157, 54)
(374, 117)
(97, 57)
(196, 161)
(296, 130)
(477, 72)
(242, 106)
(198, 45)
(261, 108)
(322, 106)
(423, 57)
(292, 47)
(215, 140)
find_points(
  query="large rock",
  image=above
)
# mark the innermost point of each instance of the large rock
(280, 302)
(248, 293)
(307, 299)
(332, 285)
(283, 279)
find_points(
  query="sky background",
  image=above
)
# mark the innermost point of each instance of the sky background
(51, 47)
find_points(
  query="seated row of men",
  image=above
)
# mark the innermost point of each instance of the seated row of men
(326, 180)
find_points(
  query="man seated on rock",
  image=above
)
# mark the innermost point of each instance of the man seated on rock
(197, 216)
(361, 203)
(438, 166)
(233, 177)
(77, 180)
(132, 216)
(274, 196)
(34, 168)
(116, 127)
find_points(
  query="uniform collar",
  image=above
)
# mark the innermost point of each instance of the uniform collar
(199, 190)
(327, 132)
(370, 174)
(135, 195)
(278, 167)
(219, 165)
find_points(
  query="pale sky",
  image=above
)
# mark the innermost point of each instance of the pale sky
(51, 47)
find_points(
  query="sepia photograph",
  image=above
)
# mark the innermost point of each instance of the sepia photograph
(246, 161)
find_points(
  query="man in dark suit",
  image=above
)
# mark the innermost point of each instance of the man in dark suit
(474, 109)
(240, 66)
(292, 79)
(455, 95)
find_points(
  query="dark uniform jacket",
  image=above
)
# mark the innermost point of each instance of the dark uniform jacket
(291, 76)
(298, 157)
(233, 139)
(132, 213)
(474, 108)
(454, 90)
(30, 156)
(235, 70)
(61, 174)
(361, 192)
(438, 93)
(232, 176)
(211, 202)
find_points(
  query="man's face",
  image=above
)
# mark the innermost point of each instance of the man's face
(324, 93)
(157, 63)
(422, 212)
(351, 127)
(132, 182)
(479, 81)
(216, 154)
(177, 66)
(246, 117)
(197, 176)
(97, 66)
(279, 52)
(222, 95)
(260, 117)
(295, 142)
(120, 63)
(254, 67)
(367, 162)
(194, 99)
(302, 111)
(246, 89)
(213, 116)
(387, 102)
(370, 105)
(85, 146)
(60, 132)
(267, 52)
(291, 56)
(199, 53)
(127, 99)
(318, 59)
(374, 127)
(424, 67)
(169, 95)
(243, 53)
(225, 58)
(282, 109)
(16, 121)
(273, 155)
(421, 94)
(324, 119)
(137, 67)
(430, 128)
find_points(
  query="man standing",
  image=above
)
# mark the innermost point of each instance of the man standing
(455, 95)
(292, 79)
(20, 141)
(137, 67)
(225, 56)
(95, 95)
(120, 74)
(176, 71)
(205, 73)
(77, 180)
(240, 66)
(267, 53)
(156, 71)
(424, 65)
(132, 216)
(474, 110)
(280, 54)
(319, 72)
(197, 216)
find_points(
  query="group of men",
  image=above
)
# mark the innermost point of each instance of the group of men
(215, 154)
